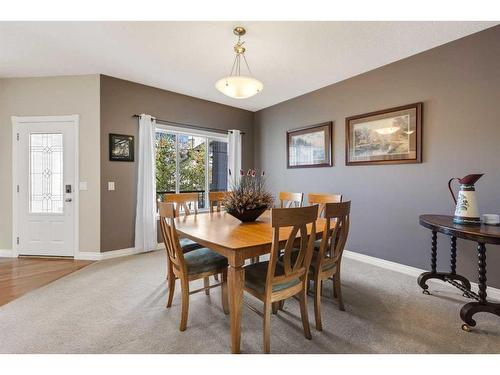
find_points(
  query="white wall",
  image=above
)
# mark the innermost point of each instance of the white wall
(54, 96)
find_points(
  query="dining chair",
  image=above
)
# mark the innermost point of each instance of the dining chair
(215, 198)
(273, 281)
(288, 200)
(183, 200)
(197, 264)
(322, 199)
(326, 262)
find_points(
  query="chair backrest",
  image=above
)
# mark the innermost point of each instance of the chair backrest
(216, 198)
(321, 200)
(170, 238)
(333, 241)
(288, 200)
(294, 267)
(183, 200)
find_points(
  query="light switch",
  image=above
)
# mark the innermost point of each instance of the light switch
(111, 185)
(83, 185)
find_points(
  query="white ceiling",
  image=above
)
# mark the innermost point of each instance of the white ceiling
(291, 58)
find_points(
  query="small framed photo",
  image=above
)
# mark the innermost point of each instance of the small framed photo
(310, 147)
(390, 136)
(121, 147)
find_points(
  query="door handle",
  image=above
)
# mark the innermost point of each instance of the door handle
(68, 200)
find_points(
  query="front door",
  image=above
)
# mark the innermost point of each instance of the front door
(45, 173)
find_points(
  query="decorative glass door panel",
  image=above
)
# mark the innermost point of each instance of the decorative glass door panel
(46, 193)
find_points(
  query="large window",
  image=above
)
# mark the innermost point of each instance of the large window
(190, 162)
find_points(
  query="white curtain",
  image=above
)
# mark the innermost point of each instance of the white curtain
(234, 156)
(145, 216)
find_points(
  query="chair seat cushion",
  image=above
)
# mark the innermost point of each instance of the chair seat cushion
(189, 245)
(314, 260)
(204, 260)
(255, 277)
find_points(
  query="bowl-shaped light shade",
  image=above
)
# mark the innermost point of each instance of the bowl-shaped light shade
(239, 87)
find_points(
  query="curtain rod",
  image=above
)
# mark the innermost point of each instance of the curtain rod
(190, 126)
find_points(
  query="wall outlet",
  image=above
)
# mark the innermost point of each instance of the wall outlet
(111, 185)
(83, 185)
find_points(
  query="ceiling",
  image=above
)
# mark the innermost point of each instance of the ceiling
(290, 58)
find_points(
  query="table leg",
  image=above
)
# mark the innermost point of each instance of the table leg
(468, 310)
(236, 280)
(452, 277)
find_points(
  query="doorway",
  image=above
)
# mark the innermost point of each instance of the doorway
(45, 191)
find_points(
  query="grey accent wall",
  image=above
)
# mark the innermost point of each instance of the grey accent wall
(120, 100)
(459, 84)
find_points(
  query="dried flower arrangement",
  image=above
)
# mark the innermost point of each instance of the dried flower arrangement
(249, 197)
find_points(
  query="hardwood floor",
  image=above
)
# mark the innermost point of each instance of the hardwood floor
(21, 275)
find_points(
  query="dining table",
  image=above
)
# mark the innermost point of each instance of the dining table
(237, 241)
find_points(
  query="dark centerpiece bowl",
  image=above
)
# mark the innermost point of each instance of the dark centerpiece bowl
(248, 198)
(247, 216)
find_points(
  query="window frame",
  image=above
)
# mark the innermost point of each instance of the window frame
(208, 136)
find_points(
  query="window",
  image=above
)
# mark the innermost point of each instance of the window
(190, 162)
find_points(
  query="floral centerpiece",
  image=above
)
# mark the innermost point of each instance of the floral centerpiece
(249, 197)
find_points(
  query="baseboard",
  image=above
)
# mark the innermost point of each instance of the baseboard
(494, 293)
(94, 255)
(7, 253)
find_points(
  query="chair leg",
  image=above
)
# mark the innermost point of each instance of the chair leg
(303, 313)
(317, 304)
(334, 289)
(275, 307)
(338, 291)
(185, 304)
(267, 327)
(206, 284)
(171, 289)
(224, 292)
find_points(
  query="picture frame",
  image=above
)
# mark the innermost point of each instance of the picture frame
(389, 136)
(121, 147)
(310, 146)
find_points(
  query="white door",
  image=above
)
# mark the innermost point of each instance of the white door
(45, 170)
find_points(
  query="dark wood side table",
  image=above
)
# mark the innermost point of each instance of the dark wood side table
(484, 234)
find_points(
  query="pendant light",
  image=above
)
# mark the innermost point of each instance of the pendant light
(236, 85)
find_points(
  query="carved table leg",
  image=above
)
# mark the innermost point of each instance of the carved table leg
(451, 277)
(468, 310)
(428, 275)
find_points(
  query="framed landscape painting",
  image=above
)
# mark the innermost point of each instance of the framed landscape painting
(310, 147)
(391, 136)
(121, 147)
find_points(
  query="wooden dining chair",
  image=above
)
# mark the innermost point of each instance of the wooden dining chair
(215, 199)
(272, 281)
(197, 264)
(322, 199)
(183, 200)
(326, 262)
(288, 200)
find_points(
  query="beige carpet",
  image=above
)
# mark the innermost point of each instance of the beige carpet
(118, 306)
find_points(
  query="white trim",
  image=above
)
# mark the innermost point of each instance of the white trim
(18, 120)
(193, 132)
(7, 253)
(407, 270)
(94, 255)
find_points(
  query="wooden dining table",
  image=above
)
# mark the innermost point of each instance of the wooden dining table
(238, 242)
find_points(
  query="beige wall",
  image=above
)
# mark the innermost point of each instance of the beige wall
(459, 84)
(119, 101)
(54, 96)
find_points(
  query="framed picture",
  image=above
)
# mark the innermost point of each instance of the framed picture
(310, 147)
(121, 147)
(391, 136)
